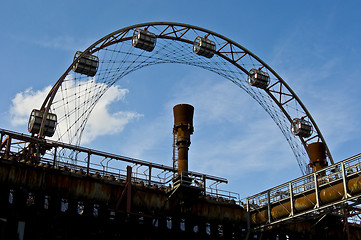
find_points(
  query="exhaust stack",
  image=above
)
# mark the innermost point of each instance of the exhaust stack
(183, 128)
(317, 153)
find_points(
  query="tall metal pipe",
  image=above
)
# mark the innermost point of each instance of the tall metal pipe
(183, 128)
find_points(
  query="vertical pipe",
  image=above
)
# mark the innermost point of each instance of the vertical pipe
(183, 128)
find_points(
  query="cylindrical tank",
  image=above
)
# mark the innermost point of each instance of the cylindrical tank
(305, 202)
(354, 185)
(183, 128)
(260, 217)
(281, 211)
(332, 194)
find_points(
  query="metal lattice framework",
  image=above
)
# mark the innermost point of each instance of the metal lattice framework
(74, 95)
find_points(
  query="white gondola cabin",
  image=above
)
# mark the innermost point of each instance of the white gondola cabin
(35, 119)
(144, 40)
(258, 78)
(204, 47)
(87, 64)
(302, 128)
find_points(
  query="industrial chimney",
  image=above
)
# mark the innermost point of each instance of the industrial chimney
(183, 128)
(317, 153)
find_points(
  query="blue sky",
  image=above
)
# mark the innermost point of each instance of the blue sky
(313, 46)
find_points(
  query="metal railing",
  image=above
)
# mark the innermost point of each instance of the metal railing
(86, 161)
(325, 189)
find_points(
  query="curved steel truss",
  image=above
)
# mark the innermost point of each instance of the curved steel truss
(74, 95)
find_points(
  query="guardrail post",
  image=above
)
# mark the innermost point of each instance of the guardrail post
(248, 218)
(269, 206)
(8, 145)
(150, 174)
(204, 184)
(316, 191)
(37, 151)
(344, 180)
(129, 189)
(88, 164)
(54, 158)
(291, 198)
(2, 135)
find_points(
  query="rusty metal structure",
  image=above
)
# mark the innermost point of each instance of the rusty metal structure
(55, 190)
(90, 195)
(93, 194)
(316, 195)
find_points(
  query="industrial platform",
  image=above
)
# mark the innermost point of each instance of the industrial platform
(81, 197)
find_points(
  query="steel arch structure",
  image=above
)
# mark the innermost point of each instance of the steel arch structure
(74, 95)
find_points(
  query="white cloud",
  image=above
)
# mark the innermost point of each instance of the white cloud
(24, 102)
(100, 122)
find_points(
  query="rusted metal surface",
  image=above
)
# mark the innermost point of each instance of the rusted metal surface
(83, 188)
(317, 153)
(183, 128)
(306, 202)
(260, 217)
(134, 206)
(280, 211)
(354, 185)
